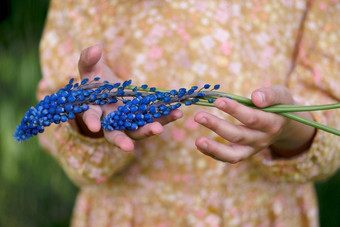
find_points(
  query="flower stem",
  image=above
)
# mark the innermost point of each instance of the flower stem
(311, 123)
(283, 110)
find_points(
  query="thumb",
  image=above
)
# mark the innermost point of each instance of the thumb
(273, 95)
(88, 60)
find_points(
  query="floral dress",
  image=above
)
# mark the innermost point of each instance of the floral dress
(242, 45)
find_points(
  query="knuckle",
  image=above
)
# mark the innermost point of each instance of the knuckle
(231, 109)
(212, 124)
(236, 138)
(252, 120)
(275, 129)
(260, 145)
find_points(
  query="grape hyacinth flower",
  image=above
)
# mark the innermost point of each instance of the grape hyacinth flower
(140, 105)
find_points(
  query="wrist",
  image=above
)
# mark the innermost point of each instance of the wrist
(293, 147)
(295, 140)
(288, 152)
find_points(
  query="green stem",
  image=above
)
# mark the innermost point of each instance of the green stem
(283, 110)
(296, 108)
(291, 116)
(311, 123)
(237, 98)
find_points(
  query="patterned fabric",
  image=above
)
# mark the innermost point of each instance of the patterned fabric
(242, 45)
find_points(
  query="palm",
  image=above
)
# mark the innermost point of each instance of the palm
(91, 64)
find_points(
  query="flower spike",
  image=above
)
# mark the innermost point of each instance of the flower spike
(138, 105)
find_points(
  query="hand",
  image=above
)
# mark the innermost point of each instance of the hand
(91, 64)
(259, 131)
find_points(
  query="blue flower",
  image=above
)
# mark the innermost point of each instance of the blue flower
(138, 107)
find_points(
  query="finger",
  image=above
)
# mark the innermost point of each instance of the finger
(173, 115)
(88, 61)
(255, 119)
(108, 108)
(221, 152)
(148, 130)
(155, 128)
(91, 118)
(233, 133)
(91, 64)
(120, 139)
(272, 95)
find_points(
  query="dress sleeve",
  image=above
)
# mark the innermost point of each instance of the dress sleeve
(85, 160)
(314, 80)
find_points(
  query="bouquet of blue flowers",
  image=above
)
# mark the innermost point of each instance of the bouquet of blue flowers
(140, 105)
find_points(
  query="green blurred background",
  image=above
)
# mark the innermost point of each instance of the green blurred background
(34, 191)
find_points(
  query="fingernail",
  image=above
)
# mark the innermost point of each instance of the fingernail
(221, 104)
(203, 120)
(204, 145)
(261, 96)
(87, 54)
(177, 115)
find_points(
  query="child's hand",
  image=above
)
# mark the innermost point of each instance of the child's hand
(259, 130)
(91, 64)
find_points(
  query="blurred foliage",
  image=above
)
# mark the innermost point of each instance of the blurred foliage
(329, 200)
(34, 191)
